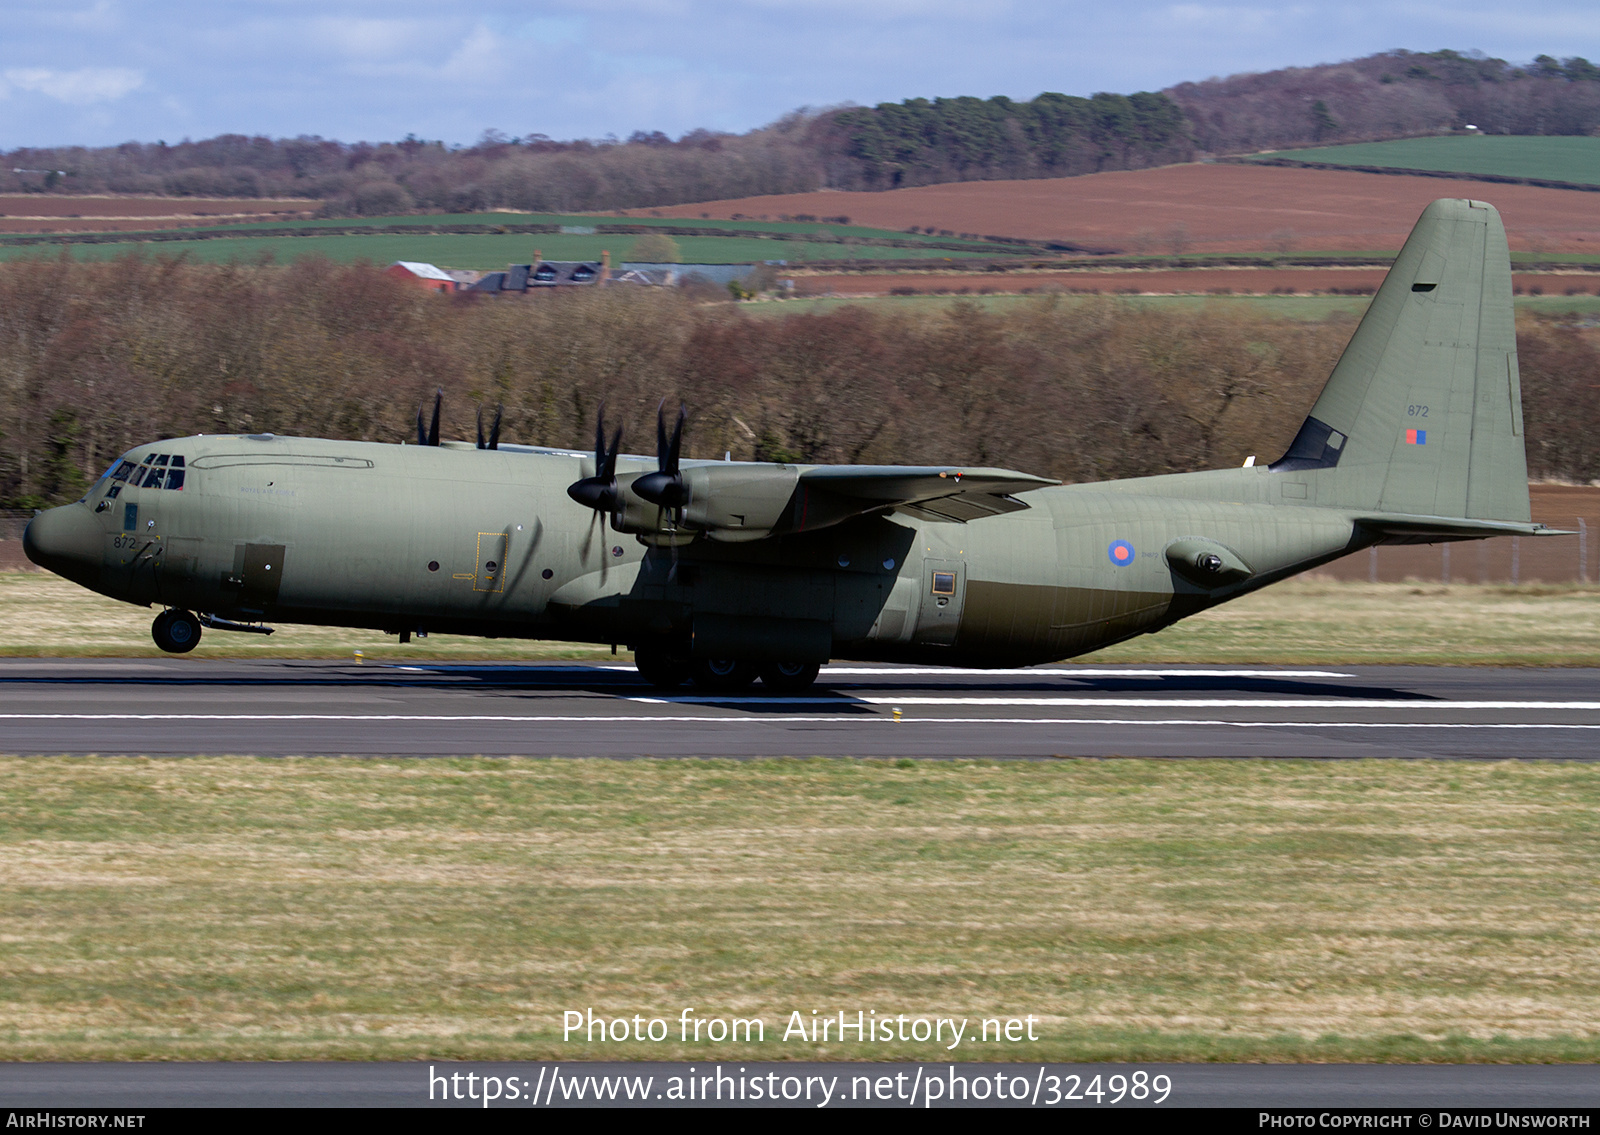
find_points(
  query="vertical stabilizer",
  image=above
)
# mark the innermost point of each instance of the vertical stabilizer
(1423, 413)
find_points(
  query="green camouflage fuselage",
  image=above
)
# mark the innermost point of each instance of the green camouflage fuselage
(469, 541)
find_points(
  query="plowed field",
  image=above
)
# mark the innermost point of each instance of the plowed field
(1196, 208)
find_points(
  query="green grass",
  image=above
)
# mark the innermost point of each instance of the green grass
(471, 250)
(1303, 621)
(581, 220)
(235, 908)
(1570, 159)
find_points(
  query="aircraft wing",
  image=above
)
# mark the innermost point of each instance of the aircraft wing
(737, 502)
(925, 492)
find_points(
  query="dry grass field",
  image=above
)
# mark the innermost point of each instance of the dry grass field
(1309, 620)
(1141, 910)
(1197, 208)
(40, 212)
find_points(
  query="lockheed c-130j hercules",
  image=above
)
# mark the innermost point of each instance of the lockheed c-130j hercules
(723, 571)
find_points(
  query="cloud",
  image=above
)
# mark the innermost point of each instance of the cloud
(82, 87)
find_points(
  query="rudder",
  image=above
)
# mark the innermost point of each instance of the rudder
(1423, 413)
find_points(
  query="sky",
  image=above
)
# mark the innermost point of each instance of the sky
(100, 72)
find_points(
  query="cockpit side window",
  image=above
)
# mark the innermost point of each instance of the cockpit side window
(122, 471)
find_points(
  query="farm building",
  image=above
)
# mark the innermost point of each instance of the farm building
(423, 275)
(520, 279)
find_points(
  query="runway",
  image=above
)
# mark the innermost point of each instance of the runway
(183, 706)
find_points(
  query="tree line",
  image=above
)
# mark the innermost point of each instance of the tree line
(1393, 94)
(918, 141)
(96, 357)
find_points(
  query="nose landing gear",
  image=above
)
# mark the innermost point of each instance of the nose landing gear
(176, 632)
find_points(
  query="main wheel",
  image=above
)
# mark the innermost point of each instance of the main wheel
(789, 677)
(662, 670)
(723, 673)
(176, 632)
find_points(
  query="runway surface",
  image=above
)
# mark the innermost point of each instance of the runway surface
(280, 708)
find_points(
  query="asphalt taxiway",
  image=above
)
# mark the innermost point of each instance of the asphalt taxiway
(286, 707)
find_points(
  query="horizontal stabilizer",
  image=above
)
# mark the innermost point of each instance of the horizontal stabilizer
(1402, 528)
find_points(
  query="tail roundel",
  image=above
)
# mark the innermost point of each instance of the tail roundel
(1423, 413)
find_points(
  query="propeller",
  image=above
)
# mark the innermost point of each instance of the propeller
(494, 429)
(665, 487)
(429, 435)
(599, 492)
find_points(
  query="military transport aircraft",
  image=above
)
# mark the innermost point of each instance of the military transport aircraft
(723, 571)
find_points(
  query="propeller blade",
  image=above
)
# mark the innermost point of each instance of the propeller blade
(494, 427)
(433, 428)
(599, 492)
(481, 443)
(665, 486)
(422, 427)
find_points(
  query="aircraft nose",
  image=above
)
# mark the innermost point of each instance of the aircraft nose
(68, 541)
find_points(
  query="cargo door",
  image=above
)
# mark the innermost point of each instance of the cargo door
(944, 591)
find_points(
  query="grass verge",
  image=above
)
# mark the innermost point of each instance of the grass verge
(1140, 910)
(1303, 621)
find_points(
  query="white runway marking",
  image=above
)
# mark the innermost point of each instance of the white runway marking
(1140, 703)
(1081, 672)
(909, 671)
(613, 719)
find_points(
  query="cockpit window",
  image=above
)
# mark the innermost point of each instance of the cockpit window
(160, 471)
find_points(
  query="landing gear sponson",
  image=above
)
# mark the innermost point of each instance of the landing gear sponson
(666, 670)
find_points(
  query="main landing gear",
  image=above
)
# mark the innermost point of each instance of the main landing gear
(176, 632)
(666, 671)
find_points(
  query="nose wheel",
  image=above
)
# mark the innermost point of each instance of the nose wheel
(176, 632)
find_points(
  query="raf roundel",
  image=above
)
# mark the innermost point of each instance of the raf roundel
(1121, 553)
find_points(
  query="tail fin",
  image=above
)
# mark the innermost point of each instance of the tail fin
(1423, 413)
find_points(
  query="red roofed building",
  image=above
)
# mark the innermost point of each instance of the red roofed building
(423, 275)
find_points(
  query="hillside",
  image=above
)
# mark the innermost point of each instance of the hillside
(919, 141)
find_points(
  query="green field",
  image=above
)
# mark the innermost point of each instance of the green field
(204, 908)
(471, 250)
(1575, 160)
(582, 220)
(489, 249)
(1302, 621)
